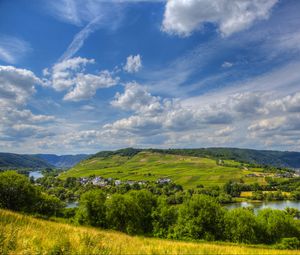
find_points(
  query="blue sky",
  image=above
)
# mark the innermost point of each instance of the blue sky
(88, 75)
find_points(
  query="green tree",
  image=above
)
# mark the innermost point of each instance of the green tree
(92, 209)
(123, 214)
(276, 224)
(146, 203)
(241, 226)
(200, 217)
(48, 205)
(16, 192)
(164, 218)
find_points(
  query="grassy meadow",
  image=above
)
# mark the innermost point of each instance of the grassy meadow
(187, 171)
(20, 234)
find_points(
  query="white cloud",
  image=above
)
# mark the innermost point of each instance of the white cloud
(12, 49)
(184, 17)
(240, 119)
(16, 85)
(89, 15)
(133, 64)
(87, 85)
(227, 64)
(16, 88)
(79, 39)
(137, 98)
(64, 73)
(70, 74)
(153, 116)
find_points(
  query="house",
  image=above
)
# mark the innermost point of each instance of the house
(163, 181)
(130, 182)
(83, 181)
(118, 182)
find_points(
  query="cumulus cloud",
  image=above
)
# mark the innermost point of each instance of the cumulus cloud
(16, 88)
(64, 73)
(236, 119)
(87, 85)
(184, 17)
(133, 64)
(153, 115)
(70, 75)
(137, 98)
(16, 84)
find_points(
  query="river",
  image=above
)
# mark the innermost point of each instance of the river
(279, 205)
(35, 174)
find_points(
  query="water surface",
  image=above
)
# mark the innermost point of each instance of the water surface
(279, 205)
(35, 174)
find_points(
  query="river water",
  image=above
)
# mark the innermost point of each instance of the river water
(35, 174)
(279, 205)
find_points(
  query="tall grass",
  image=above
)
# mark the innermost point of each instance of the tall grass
(21, 234)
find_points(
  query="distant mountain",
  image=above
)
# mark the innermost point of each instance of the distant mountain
(17, 161)
(14, 161)
(64, 161)
(260, 157)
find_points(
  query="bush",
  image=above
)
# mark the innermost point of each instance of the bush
(292, 243)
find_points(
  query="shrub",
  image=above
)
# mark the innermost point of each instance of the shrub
(291, 243)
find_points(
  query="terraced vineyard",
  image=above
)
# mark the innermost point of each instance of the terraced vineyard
(187, 171)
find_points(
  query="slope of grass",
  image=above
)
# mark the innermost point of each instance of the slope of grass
(185, 170)
(21, 234)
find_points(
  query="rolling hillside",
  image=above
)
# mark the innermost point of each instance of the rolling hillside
(17, 161)
(260, 157)
(140, 165)
(25, 235)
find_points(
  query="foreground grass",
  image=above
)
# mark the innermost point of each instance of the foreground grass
(184, 170)
(21, 234)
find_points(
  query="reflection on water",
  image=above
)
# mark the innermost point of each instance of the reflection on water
(35, 174)
(279, 205)
(72, 205)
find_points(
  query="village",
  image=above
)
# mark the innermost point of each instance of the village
(295, 174)
(103, 182)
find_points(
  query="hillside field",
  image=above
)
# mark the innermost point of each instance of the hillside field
(21, 234)
(187, 171)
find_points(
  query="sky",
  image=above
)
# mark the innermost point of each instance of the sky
(81, 76)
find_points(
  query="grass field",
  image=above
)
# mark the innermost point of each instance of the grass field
(21, 234)
(185, 170)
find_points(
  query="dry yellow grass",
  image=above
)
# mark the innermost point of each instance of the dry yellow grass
(24, 235)
(248, 194)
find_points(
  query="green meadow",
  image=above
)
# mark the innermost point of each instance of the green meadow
(187, 171)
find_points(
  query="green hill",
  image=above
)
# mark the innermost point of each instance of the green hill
(21, 234)
(17, 161)
(150, 165)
